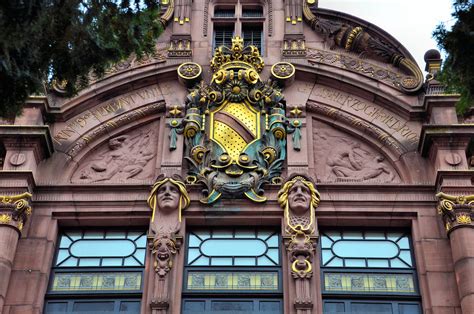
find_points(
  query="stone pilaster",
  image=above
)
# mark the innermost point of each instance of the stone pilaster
(458, 213)
(14, 211)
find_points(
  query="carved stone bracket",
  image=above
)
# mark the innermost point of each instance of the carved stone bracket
(457, 211)
(14, 210)
(299, 199)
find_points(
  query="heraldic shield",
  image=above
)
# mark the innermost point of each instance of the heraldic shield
(235, 126)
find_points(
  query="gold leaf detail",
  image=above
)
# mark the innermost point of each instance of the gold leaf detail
(5, 218)
(464, 219)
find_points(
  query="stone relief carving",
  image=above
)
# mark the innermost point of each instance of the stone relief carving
(167, 200)
(299, 198)
(340, 157)
(15, 210)
(125, 157)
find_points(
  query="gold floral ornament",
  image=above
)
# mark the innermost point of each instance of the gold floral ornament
(457, 211)
(15, 209)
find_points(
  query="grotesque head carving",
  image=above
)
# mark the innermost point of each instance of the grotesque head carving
(299, 198)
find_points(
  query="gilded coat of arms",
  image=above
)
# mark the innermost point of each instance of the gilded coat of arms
(235, 127)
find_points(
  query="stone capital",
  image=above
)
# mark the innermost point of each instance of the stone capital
(15, 210)
(456, 211)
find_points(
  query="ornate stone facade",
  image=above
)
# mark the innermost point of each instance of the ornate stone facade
(325, 137)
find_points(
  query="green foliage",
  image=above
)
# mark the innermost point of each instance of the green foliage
(65, 40)
(458, 69)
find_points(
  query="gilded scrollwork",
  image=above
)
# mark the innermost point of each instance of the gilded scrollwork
(457, 211)
(15, 210)
(354, 38)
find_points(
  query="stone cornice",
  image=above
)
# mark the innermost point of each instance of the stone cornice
(37, 134)
(454, 133)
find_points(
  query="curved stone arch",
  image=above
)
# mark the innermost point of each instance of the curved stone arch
(385, 96)
(366, 133)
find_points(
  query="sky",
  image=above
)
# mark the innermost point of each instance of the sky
(411, 22)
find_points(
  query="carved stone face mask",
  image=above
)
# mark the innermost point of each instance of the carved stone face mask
(299, 198)
(168, 197)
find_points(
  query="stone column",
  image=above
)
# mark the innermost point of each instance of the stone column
(14, 210)
(457, 213)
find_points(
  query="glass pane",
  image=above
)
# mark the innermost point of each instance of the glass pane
(273, 254)
(62, 255)
(93, 307)
(336, 262)
(326, 243)
(230, 247)
(115, 235)
(193, 306)
(202, 261)
(367, 249)
(106, 248)
(69, 262)
(56, 308)
(334, 235)
(202, 234)
(141, 241)
(112, 261)
(93, 235)
(377, 263)
(74, 235)
(231, 306)
(375, 235)
(130, 261)
(394, 236)
(352, 235)
(133, 235)
(85, 262)
(192, 254)
(245, 234)
(404, 243)
(245, 261)
(396, 263)
(326, 255)
(409, 309)
(222, 234)
(333, 308)
(263, 234)
(65, 242)
(130, 307)
(406, 257)
(221, 261)
(273, 241)
(355, 262)
(140, 255)
(194, 241)
(264, 261)
(270, 306)
(371, 308)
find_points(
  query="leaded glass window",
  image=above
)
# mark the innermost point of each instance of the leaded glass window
(235, 261)
(93, 263)
(364, 263)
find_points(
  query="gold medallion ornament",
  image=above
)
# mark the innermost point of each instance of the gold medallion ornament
(235, 127)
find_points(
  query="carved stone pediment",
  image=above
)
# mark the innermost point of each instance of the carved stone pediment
(125, 157)
(340, 157)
